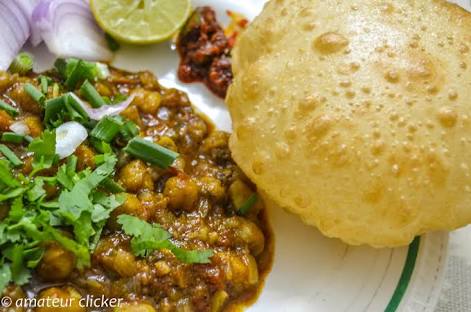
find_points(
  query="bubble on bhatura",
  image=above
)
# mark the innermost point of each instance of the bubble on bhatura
(358, 117)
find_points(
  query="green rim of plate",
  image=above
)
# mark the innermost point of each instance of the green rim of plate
(406, 275)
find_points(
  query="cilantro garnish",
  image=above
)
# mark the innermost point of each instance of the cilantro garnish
(44, 149)
(33, 220)
(148, 237)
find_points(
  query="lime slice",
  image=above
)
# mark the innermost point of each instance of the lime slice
(141, 21)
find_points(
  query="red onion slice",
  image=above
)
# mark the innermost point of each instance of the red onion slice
(69, 30)
(106, 110)
(15, 29)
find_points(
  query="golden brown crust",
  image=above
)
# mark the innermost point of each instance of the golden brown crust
(356, 115)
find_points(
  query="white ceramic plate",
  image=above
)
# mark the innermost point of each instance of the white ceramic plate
(311, 272)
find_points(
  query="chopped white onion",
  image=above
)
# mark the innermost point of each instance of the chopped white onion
(15, 29)
(20, 127)
(103, 70)
(69, 30)
(105, 110)
(69, 136)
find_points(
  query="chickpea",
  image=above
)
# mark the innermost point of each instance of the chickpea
(237, 268)
(103, 89)
(182, 193)
(132, 113)
(239, 192)
(197, 129)
(24, 100)
(152, 104)
(139, 97)
(5, 121)
(218, 300)
(215, 146)
(35, 125)
(152, 201)
(5, 81)
(212, 187)
(216, 139)
(120, 261)
(167, 142)
(135, 176)
(131, 206)
(85, 157)
(148, 80)
(162, 268)
(240, 269)
(165, 305)
(175, 98)
(148, 102)
(14, 292)
(179, 164)
(184, 305)
(135, 307)
(252, 269)
(57, 263)
(69, 299)
(248, 233)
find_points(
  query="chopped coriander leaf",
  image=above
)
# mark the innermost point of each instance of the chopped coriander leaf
(88, 91)
(5, 276)
(80, 251)
(12, 194)
(19, 273)
(76, 201)
(34, 256)
(147, 237)
(109, 202)
(44, 149)
(138, 228)
(17, 209)
(151, 152)
(112, 186)
(10, 155)
(22, 64)
(34, 93)
(66, 173)
(248, 204)
(44, 145)
(8, 108)
(11, 137)
(37, 191)
(192, 256)
(107, 129)
(6, 178)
